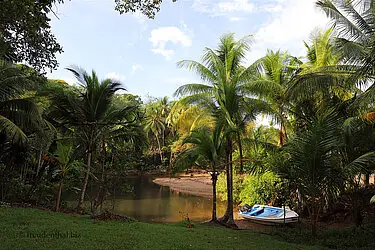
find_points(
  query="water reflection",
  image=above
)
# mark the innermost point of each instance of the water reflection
(147, 201)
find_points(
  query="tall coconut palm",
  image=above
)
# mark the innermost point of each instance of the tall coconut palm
(225, 93)
(155, 123)
(322, 81)
(17, 114)
(206, 150)
(322, 74)
(274, 74)
(89, 111)
(354, 24)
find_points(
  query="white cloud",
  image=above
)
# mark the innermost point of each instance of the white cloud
(141, 18)
(272, 8)
(221, 8)
(116, 76)
(236, 5)
(179, 81)
(288, 27)
(161, 36)
(135, 68)
(167, 53)
(236, 19)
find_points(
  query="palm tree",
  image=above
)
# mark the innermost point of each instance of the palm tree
(322, 73)
(225, 94)
(274, 74)
(315, 163)
(17, 114)
(89, 112)
(182, 120)
(155, 123)
(66, 163)
(206, 151)
(354, 24)
(322, 81)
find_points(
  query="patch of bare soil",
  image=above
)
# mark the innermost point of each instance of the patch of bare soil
(200, 186)
(247, 225)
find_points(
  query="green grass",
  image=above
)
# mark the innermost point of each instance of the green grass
(343, 238)
(22, 228)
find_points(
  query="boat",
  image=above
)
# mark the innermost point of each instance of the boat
(268, 215)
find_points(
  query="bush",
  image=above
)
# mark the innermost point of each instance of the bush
(222, 187)
(260, 189)
(251, 189)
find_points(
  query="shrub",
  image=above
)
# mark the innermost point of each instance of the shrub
(260, 189)
(251, 189)
(222, 187)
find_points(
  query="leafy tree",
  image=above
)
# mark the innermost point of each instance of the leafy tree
(274, 74)
(225, 93)
(146, 7)
(17, 114)
(155, 122)
(321, 83)
(353, 22)
(88, 112)
(315, 163)
(183, 119)
(206, 152)
(260, 189)
(25, 33)
(66, 164)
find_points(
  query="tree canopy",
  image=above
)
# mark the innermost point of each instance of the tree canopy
(146, 7)
(25, 33)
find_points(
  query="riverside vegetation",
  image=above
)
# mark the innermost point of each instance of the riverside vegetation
(316, 156)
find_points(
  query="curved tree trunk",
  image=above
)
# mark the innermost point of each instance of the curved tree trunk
(160, 153)
(281, 135)
(58, 196)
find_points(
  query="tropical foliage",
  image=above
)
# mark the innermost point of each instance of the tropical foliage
(314, 149)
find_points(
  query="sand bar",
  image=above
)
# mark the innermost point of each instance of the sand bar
(200, 186)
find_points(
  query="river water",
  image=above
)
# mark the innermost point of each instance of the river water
(146, 201)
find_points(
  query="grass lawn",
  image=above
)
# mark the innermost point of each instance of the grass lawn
(25, 228)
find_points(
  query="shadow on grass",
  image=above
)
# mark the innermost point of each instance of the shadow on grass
(337, 238)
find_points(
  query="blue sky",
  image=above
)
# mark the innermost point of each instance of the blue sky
(142, 53)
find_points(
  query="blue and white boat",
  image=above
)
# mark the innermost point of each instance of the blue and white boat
(268, 215)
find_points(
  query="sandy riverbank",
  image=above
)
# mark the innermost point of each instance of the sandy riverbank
(200, 186)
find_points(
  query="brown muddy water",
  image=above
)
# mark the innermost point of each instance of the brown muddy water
(146, 201)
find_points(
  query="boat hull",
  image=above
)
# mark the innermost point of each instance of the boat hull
(268, 215)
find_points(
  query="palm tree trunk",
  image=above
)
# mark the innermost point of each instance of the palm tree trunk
(160, 153)
(285, 134)
(314, 218)
(83, 191)
(281, 135)
(98, 200)
(366, 181)
(58, 196)
(240, 149)
(214, 180)
(228, 216)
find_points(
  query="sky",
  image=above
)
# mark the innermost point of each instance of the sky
(142, 53)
